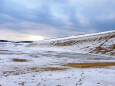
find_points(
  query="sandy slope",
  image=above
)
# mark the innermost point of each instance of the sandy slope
(97, 43)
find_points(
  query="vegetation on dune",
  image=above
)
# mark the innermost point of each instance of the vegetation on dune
(90, 65)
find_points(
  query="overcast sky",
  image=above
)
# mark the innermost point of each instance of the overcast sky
(20, 19)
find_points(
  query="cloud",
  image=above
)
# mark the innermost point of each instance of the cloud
(82, 19)
(54, 18)
(106, 17)
(11, 35)
(62, 17)
(26, 29)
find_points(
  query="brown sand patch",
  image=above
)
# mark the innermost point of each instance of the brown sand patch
(90, 65)
(19, 71)
(19, 60)
(53, 68)
(34, 69)
(3, 50)
(7, 73)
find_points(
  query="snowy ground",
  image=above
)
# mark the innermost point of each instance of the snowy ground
(21, 66)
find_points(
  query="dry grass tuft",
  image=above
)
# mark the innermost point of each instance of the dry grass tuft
(90, 65)
(19, 60)
(103, 50)
(7, 73)
(53, 68)
(35, 69)
(3, 50)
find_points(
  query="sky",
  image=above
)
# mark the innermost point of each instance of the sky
(44, 19)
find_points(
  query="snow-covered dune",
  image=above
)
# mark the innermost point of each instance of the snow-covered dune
(42, 64)
(97, 43)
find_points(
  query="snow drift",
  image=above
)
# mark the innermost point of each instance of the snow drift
(97, 43)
